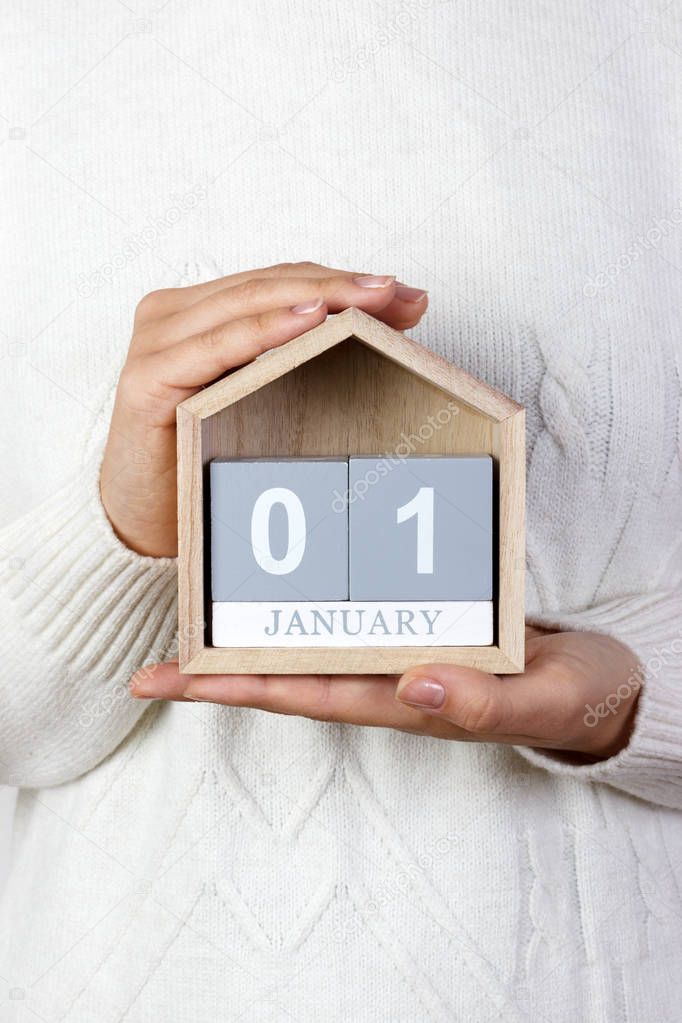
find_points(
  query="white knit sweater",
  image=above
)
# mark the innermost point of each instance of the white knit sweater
(185, 863)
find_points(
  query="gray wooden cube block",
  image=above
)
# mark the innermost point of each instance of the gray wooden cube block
(421, 528)
(279, 530)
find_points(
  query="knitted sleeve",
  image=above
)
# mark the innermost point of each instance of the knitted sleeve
(650, 766)
(80, 612)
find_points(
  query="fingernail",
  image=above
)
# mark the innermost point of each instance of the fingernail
(189, 695)
(373, 282)
(308, 307)
(406, 294)
(422, 692)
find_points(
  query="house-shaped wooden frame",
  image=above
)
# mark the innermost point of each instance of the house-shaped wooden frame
(350, 386)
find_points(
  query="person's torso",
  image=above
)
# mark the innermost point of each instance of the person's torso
(501, 160)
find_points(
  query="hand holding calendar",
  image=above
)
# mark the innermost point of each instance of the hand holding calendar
(183, 339)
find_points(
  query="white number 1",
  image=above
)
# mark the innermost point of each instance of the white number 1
(421, 505)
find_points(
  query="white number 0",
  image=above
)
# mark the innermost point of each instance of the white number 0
(260, 531)
(421, 505)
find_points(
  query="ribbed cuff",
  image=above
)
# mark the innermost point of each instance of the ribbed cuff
(650, 766)
(93, 603)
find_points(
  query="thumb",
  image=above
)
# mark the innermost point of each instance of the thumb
(473, 700)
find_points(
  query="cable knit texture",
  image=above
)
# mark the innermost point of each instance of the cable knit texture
(190, 862)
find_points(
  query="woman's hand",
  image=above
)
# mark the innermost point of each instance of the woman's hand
(185, 338)
(555, 704)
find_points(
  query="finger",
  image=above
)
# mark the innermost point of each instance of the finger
(351, 699)
(406, 309)
(484, 704)
(200, 360)
(167, 301)
(158, 682)
(256, 296)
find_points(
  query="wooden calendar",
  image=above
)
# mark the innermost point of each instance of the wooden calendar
(350, 503)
